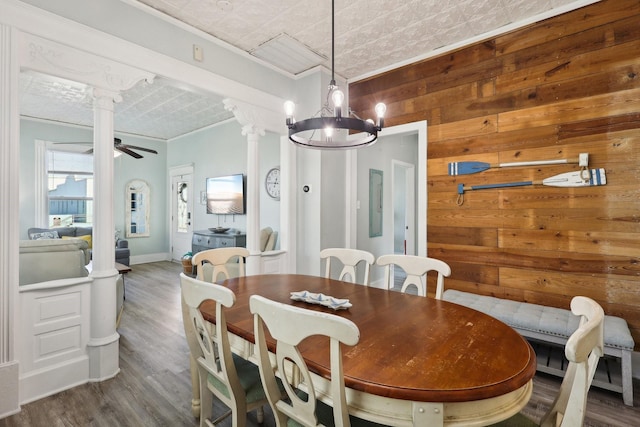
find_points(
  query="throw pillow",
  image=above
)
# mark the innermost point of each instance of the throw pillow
(271, 243)
(87, 238)
(264, 237)
(44, 235)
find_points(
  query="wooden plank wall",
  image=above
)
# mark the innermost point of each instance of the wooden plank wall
(552, 90)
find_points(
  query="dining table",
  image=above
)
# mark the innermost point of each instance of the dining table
(419, 361)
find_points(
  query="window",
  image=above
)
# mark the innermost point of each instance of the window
(69, 188)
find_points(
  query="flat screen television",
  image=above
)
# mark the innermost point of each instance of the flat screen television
(225, 195)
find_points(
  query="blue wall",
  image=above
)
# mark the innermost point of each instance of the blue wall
(215, 151)
(222, 150)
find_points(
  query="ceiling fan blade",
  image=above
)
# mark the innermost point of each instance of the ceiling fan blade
(148, 150)
(127, 151)
(118, 145)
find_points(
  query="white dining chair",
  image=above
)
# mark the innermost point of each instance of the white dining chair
(349, 258)
(583, 351)
(220, 263)
(283, 323)
(233, 380)
(416, 269)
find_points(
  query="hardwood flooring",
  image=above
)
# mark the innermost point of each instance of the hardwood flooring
(153, 387)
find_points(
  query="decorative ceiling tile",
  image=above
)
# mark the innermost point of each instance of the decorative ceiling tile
(370, 35)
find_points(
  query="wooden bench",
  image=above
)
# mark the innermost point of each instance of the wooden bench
(555, 325)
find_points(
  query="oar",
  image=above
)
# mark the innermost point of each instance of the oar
(582, 178)
(466, 168)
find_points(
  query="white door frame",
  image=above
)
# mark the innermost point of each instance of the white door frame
(175, 173)
(410, 202)
(352, 185)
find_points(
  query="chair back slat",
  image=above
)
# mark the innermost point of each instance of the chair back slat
(214, 265)
(289, 325)
(416, 269)
(349, 258)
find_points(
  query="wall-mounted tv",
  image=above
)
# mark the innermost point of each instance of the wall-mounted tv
(225, 195)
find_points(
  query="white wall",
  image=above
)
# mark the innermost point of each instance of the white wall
(379, 156)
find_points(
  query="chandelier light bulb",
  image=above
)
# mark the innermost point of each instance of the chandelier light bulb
(328, 131)
(380, 109)
(289, 108)
(338, 98)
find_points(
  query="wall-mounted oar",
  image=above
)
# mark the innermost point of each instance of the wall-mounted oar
(466, 168)
(583, 178)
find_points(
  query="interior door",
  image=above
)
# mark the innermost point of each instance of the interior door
(181, 214)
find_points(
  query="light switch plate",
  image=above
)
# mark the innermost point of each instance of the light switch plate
(197, 53)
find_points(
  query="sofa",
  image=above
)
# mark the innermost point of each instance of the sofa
(47, 260)
(122, 253)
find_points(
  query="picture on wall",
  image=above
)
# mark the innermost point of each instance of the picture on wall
(225, 195)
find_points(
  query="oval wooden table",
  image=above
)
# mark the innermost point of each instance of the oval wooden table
(419, 361)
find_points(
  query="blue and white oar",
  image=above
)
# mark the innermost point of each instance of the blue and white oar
(466, 168)
(582, 178)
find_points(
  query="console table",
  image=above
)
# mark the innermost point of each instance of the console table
(206, 239)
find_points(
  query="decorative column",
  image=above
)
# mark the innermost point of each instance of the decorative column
(254, 120)
(253, 134)
(108, 78)
(9, 218)
(103, 344)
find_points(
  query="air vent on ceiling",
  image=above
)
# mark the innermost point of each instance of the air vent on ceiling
(289, 54)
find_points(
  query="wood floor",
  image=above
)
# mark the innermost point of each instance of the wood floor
(153, 387)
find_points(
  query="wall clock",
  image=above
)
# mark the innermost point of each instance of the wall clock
(272, 183)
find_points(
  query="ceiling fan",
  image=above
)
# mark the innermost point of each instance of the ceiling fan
(127, 149)
(118, 145)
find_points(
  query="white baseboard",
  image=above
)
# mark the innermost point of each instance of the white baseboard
(143, 259)
(53, 379)
(9, 384)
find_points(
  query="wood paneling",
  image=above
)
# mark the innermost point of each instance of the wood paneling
(554, 89)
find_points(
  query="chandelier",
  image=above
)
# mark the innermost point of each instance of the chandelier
(319, 132)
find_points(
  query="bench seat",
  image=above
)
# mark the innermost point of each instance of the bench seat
(555, 325)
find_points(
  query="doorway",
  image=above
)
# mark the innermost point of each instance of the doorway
(403, 207)
(391, 145)
(181, 200)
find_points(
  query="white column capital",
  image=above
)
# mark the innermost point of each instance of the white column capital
(104, 98)
(252, 132)
(251, 115)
